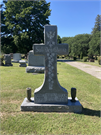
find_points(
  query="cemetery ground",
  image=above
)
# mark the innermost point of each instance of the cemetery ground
(13, 83)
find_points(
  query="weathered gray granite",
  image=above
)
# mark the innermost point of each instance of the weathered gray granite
(16, 57)
(69, 107)
(22, 63)
(7, 58)
(35, 63)
(35, 60)
(50, 96)
(35, 69)
(50, 91)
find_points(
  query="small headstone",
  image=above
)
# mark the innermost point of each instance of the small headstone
(7, 58)
(22, 63)
(35, 63)
(51, 96)
(16, 57)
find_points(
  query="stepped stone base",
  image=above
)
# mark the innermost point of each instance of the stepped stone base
(75, 107)
(15, 61)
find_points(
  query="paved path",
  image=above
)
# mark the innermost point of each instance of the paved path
(92, 70)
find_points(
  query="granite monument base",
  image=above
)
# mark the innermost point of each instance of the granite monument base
(15, 61)
(8, 65)
(35, 69)
(75, 107)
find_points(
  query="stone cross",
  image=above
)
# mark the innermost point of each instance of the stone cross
(50, 91)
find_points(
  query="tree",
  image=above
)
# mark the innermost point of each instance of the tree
(94, 44)
(80, 45)
(6, 38)
(97, 25)
(25, 20)
(58, 39)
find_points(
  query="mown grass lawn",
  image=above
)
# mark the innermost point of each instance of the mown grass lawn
(13, 83)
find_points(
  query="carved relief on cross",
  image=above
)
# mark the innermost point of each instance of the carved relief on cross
(50, 49)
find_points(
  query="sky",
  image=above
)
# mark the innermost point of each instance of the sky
(74, 17)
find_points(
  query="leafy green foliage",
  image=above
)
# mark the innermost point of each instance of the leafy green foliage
(99, 60)
(74, 58)
(1, 60)
(97, 24)
(81, 56)
(94, 44)
(59, 39)
(25, 21)
(85, 59)
(78, 45)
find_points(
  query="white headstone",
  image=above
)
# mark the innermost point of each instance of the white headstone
(16, 57)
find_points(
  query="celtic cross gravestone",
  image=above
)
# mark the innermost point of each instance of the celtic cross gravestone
(50, 96)
(50, 91)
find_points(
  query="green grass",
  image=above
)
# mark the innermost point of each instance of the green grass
(14, 81)
(95, 63)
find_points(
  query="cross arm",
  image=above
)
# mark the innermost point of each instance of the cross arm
(63, 49)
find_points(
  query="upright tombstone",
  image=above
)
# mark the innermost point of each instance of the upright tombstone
(50, 96)
(7, 58)
(16, 57)
(35, 63)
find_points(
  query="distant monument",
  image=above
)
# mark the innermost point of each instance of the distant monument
(35, 63)
(50, 96)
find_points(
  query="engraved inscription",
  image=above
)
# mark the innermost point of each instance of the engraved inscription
(50, 49)
(50, 97)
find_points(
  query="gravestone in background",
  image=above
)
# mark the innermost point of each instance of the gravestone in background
(7, 58)
(22, 63)
(35, 63)
(51, 96)
(16, 57)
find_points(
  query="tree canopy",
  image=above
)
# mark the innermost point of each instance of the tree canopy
(94, 44)
(25, 22)
(85, 44)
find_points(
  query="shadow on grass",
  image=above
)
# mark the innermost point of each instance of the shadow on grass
(90, 112)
